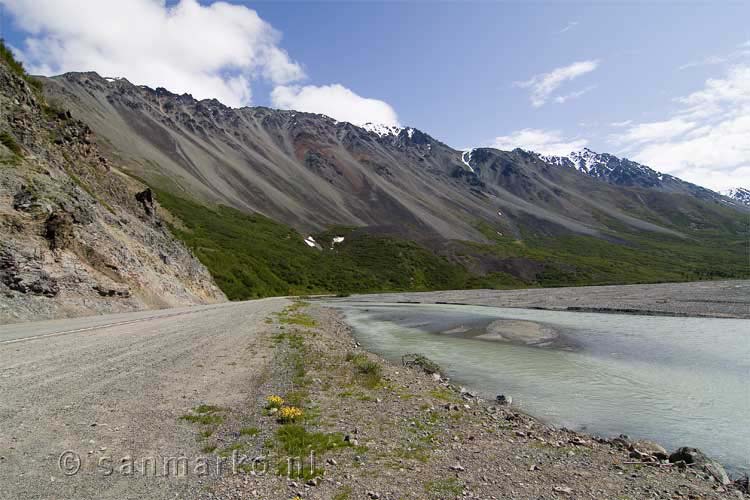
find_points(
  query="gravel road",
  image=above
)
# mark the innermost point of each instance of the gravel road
(723, 299)
(111, 387)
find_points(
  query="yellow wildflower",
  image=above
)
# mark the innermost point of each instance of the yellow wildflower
(275, 402)
(290, 413)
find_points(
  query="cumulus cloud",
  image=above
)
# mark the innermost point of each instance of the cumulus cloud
(335, 101)
(211, 50)
(549, 142)
(706, 141)
(544, 85)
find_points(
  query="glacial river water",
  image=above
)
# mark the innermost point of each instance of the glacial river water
(677, 381)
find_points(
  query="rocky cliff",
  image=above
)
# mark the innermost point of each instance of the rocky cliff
(77, 236)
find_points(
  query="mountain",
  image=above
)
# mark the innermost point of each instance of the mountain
(77, 236)
(740, 195)
(503, 217)
(624, 172)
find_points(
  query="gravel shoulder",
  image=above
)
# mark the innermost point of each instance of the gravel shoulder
(722, 299)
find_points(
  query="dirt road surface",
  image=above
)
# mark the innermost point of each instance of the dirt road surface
(109, 391)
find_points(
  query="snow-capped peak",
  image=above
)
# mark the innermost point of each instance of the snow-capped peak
(584, 160)
(738, 194)
(381, 129)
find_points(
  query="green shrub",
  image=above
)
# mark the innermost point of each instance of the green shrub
(9, 142)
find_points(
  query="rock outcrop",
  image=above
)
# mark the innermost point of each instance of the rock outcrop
(77, 236)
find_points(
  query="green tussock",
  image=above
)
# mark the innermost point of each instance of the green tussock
(9, 142)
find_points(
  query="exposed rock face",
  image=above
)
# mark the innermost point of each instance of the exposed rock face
(58, 230)
(75, 238)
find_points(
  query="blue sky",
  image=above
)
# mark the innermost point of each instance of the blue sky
(665, 83)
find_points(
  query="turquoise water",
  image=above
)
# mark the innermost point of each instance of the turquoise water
(677, 381)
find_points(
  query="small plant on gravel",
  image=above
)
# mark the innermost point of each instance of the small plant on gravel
(290, 414)
(444, 488)
(274, 402)
(204, 415)
(207, 409)
(369, 373)
(249, 431)
(209, 419)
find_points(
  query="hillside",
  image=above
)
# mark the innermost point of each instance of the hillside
(481, 218)
(76, 236)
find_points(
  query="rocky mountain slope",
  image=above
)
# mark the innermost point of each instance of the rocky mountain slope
(514, 216)
(311, 171)
(76, 236)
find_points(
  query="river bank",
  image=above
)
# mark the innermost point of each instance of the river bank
(720, 299)
(386, 431)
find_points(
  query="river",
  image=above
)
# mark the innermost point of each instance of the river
(676, 380)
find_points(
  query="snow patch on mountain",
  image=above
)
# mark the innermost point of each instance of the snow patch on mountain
(382, 130)
(466, 158)
(738, 194)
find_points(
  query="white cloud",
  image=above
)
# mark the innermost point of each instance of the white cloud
(706, 141)
(548, 142)
(744, 51)
(562, 99)
(623, 123)
(207, 50)
(655, 131)
(568, 27)
(542, 86)
(335, 101)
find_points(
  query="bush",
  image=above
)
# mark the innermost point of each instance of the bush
(9, 142)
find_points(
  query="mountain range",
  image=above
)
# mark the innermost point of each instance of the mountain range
(277, 201)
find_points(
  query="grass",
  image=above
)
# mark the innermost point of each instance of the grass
(249, 431)
(297, 445)
(9, 142)
(204, 415)
(203, 419)
(444, 488)
(367, 372)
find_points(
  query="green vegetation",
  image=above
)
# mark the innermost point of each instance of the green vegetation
(9, 142)
(367, 372)
(249, 431)
(252, 256)
(643, 257)
(16, 66)
(204, 415)
(444, 488)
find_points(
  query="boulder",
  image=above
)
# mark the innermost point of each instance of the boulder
(694, 456)
(650, 448)
(502, 399)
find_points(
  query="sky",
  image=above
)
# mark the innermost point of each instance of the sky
(663, 83)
